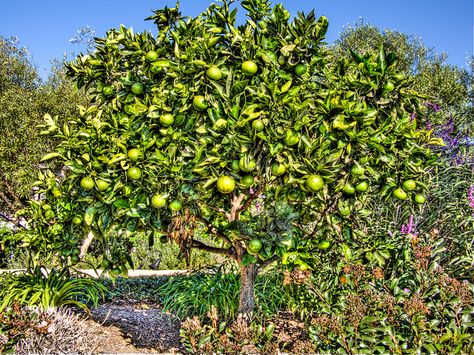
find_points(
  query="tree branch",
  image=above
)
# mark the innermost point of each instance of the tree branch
(268, 262)
(213, 229)
(252, 197)
(201, 246)
(11, 191)
(7, 201)
(86, 244)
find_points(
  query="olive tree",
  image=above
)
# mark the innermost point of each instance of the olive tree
(241, 140)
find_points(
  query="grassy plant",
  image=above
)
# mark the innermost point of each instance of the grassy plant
(49, 289)
(194, 295)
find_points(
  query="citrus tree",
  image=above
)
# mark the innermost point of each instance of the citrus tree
(238, 140)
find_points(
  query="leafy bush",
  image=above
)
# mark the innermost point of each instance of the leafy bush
(410, 305)
(235, 337)
(48, 289)
(195, 295)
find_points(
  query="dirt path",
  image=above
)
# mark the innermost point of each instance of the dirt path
(136, 328)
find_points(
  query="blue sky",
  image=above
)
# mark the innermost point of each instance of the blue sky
(45, 27)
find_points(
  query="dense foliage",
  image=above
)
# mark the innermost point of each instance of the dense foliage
(24, 100)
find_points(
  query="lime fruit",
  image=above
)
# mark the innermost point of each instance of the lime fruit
(420, 199)
(151, 56)
(214, 73)
(255, 245)
(102, 185)
(167, 119)
(175, 205)
(409, 185)
(278, 169)
(249, 67)
(134, 154)
(137, 88)
(87, 183)
(225, 184)
(362, 186)
(301, 69)
(199, 103)
(134, 173)
(400, 194)
(158, 201)
(247, 180)
(314, 182)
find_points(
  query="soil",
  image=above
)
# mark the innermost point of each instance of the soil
(137, 328)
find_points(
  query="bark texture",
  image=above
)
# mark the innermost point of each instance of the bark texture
(248, 275)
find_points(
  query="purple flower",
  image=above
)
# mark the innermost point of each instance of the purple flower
(428, 125)
(258, 206)
(412, 117)
(406, 290)
(433, 106)
(251, 191)
(470, 197)
(408, 228)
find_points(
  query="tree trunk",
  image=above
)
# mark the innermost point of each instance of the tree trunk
(247, 294)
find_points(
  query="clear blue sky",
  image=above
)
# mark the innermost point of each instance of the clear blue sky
(45, 27)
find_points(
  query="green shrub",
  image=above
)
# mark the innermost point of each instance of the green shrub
(48, 289)
(195, 295)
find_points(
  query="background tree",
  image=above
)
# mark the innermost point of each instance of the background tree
(240, 140)
(442, 83)
(25, 99)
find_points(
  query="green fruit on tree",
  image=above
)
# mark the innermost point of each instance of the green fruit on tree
(255, 245)
(247, 180)
(74, 259)
(400, 194)
(420, 199)
(134, 173)
(247, 165)
(175, 205)
(151, 56)
(324, 244)
(225, 184)
(56, 192)
(258, 125)
(345, 210)
(137, 88)
(77, 220)
(357, 170)
(301, 69)
(214, 73)
(87, 183)
(349, 189)
(249, 67)
(362, 186)
(108, 90)
(134, 154)
(409, 185)
(235, 165)
(102, 185)
(199, 103)
(278, 169)
(158, 201)
(49, 214)
(314, 182)
(167, 119)
(389, 87)
(291, 138)
(46, 207)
